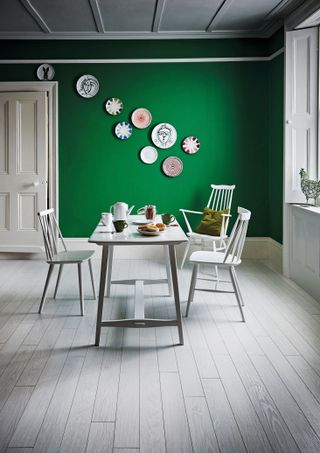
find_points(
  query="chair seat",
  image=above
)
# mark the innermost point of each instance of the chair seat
(215, 258)
(206, 236)
(73, 256)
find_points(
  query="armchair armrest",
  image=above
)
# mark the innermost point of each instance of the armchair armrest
(184, 211)
(226, 215)
(191, 212)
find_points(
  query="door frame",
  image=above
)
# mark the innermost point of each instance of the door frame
(52, 89)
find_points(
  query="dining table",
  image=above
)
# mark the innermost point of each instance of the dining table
(131, 236)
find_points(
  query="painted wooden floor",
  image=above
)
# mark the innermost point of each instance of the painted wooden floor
(232, 388)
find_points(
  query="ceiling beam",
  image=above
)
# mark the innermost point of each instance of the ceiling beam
(158, 15)
(36, 15)
(218, 14)
(97, 15)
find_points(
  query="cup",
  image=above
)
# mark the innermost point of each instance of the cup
(120, 225)
(106, 219)
(167, 218)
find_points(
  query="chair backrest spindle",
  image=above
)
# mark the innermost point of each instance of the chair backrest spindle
(221, 199)
(238, 235)
(51, 233)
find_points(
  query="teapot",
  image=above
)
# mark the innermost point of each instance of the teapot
(120, 210)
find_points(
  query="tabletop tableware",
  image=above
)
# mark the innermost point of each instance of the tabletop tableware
(150, 211)
(167, 218)
(120, 225)
(121, 210)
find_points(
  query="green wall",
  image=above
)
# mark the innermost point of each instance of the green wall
(226, 105)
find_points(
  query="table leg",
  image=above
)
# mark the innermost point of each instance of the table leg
(103, 274)
(167, 258)
(174, 273)
(110, 260)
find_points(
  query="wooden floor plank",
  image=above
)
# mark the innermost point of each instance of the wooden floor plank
(225, 426)
(178, 439)
(30, 423)
(11, 413)
(202, 433)
(100, 438)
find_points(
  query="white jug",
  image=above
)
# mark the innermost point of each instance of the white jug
(120, 210)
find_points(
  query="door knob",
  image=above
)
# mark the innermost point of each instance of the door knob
(35, 183)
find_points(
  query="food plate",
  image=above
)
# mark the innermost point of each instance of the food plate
(149, 233)
(172, 166)
(114, 106)
(148, 154)
(123, 130)
(191, 145)
(141, 118)
(164, 135)
(87, 86)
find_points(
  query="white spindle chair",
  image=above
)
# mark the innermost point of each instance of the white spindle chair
(227, 260)
(51, 234)
(220, 199)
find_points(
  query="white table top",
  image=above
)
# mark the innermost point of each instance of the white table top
(130, 236)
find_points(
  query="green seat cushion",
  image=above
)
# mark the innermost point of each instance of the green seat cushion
(211, 222)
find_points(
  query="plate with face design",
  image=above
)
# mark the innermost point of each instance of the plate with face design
(123, 130)
(87, 86)
(114, 106)
(172, 166)
(164, 135)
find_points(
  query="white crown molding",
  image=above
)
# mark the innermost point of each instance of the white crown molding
(217, 34)
(142, 60)
(300, 14)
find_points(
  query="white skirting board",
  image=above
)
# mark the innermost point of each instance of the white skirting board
(259, 248)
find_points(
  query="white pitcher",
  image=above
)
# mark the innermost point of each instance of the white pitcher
(120, 210)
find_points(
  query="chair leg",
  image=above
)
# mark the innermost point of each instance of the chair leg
(192, 287)
(92, 279)
(215, 267)
(238, 287)
(46, 288)
(185, 254)
(58, 281)
(236, 290)
(80, 290)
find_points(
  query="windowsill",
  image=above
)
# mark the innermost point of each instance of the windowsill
(306, 208)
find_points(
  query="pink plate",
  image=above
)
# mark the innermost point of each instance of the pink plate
(190, 145)
(141, 118)
(172, 166)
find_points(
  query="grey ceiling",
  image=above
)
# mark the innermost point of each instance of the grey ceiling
(51, 19)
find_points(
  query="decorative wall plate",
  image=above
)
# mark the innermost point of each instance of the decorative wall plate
(114, 106)
(45, 72)
(148, 154)
(164, 135)
(172, 166)
(191, 145)
(123, 130)
(141, 118)
(87, 86)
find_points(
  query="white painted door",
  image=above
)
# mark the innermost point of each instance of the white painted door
(23, 169)
(301, 129)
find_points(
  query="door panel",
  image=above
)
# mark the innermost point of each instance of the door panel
(23, 164)
(301, 133)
